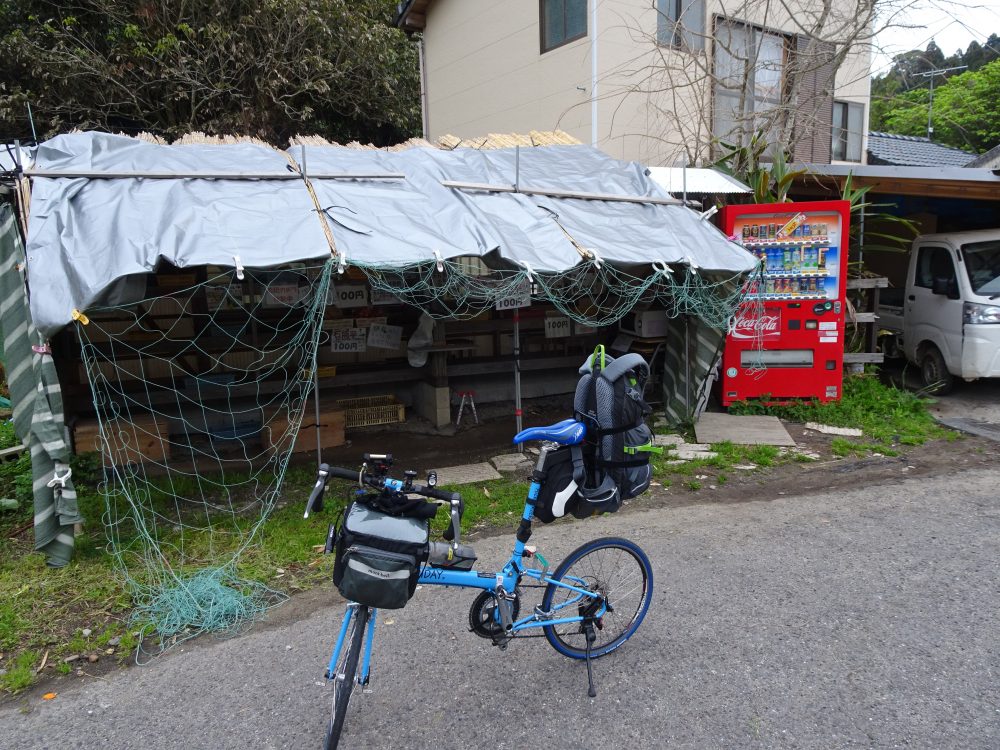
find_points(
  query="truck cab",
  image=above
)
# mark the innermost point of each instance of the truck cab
(951, 309)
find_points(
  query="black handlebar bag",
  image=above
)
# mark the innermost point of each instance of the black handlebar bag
(379, 557)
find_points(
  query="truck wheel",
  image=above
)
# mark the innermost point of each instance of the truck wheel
(937, 380)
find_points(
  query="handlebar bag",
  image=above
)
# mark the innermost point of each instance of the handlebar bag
(379, 557)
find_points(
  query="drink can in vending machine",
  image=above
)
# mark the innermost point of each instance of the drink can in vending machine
(821, 258)
(746, 231)
(769, 285)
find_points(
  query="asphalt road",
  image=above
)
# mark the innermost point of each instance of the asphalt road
(868, 618)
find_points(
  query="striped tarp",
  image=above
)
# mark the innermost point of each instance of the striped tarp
(37, 403)
(691, 353)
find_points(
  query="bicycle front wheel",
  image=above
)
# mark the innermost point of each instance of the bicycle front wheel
(344, 675)
(619, 571)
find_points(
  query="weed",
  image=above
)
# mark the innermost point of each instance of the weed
(842, 447)
(722, 479)
(886, 414)
(693, 484)
(63, 668)
(10, 625)
(20, 672)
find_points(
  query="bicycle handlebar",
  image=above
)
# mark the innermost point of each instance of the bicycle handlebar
(381, 483)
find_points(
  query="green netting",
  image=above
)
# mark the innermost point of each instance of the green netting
(595, 294)
(199, 393)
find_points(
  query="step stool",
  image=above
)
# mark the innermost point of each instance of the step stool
(470, 395)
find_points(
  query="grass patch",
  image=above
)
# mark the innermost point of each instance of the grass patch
(889, 419)
(20, 672)
(46, 609)
(887, 416)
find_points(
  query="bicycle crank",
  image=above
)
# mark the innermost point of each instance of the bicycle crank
(484, 619)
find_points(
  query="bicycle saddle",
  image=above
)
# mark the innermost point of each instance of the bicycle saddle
(567, 432)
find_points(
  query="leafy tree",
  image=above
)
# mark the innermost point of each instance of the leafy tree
(889, 92)
(267, 68)
(966, 110)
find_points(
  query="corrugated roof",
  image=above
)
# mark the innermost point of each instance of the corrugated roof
(989, 160)
(696, 181)
(913, 151)
(451, 142)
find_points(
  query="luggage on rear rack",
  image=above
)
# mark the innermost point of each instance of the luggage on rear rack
(379, 557)
(610, 401)
(612, 465)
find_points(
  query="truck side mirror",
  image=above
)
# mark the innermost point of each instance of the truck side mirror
(947, 287)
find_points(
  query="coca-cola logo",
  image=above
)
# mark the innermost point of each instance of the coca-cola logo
(764, 325)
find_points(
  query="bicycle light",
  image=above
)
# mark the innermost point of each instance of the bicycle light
(432, 479)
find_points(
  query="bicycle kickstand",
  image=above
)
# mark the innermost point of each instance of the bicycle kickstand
(588, 630)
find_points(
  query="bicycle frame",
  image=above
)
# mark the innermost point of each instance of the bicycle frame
(507, 579)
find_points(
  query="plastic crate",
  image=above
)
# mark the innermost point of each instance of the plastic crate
(371, 410)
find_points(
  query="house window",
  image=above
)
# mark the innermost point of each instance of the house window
(749, 69)
(681, 23)
(563, 21)
(848, 123)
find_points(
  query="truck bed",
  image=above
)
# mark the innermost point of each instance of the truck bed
(890, 310)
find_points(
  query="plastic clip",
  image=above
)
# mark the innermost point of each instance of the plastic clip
(706, 215)
(239, 267)
(596, 258)
(660, 266)
(341, 263)
(80, 317)
(528, 270)
(440, 261)
(692, 264)
(60, 481)
(41, 349)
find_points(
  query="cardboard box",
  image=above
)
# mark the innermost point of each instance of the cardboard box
(143, 438)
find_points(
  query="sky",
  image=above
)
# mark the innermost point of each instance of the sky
(953, 24)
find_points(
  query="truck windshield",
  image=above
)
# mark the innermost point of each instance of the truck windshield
(982, 263)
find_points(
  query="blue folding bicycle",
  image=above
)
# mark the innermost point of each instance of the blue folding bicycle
(593, 602)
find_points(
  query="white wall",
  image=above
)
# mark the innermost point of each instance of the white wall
(485, 74)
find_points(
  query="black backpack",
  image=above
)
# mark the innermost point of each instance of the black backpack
(613, 464)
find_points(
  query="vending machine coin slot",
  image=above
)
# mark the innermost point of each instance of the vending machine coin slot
(793, 325)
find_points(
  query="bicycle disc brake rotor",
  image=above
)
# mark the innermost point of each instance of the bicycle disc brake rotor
(483, 620)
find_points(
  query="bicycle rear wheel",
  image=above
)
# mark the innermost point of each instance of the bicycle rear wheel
(344, 675)
(620, 571)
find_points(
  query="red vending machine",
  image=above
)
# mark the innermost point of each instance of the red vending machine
(792, 345)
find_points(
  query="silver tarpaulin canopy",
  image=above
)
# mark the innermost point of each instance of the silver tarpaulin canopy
(105, 207)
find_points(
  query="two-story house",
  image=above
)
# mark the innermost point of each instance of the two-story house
(657, 81)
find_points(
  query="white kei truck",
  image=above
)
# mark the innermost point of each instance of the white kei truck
(947, 319)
